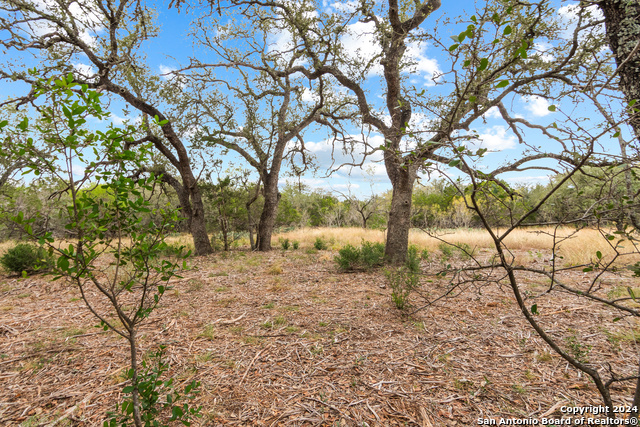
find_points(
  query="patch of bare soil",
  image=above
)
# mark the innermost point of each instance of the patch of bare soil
(285, 339)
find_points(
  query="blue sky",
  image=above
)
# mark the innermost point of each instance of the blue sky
(172, 48)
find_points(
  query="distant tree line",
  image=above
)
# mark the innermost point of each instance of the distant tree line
(233, 205)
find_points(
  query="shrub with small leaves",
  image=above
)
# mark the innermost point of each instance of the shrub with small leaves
(27, 258)
(402, 281)
(372, 254)
(285, 244)
(367, 256)
(151, 389)
(413, 259)
(320, 244)
(296, 245)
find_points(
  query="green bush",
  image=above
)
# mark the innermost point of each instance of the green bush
(157, 397)
(446, 249)
(348, 257)
(320, 244)
(26, 257)
(413, 259)
(372, 254)
(425, 255)
(402, 281)
(285, 244)
(466, 251)
(367, 256)
(296, 245)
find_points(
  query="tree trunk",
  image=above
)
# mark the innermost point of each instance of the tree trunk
(399, 224)
(623, 34)
(269, 212)
(198, 228)
(137, 419)
(193, 212)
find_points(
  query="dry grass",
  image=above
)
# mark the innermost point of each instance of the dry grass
(576, 247)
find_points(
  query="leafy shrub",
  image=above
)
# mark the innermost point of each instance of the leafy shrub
(413, 260)
(372, 254)
(174, 249)
(348, 257)
(320, 244)
(285, 244)
(425, 255)
(156, 396)
(216, 243)
(367, 256)
(296, 245)
(466, 251)
(402, 281)
(446, 249)
(26, 257)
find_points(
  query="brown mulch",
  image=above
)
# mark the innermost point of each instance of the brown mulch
(285, 339)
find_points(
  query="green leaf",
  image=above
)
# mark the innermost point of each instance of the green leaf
(503, 83)
(599, 254)
(455, 39)
(453, 163)
(177, 412)
(63, 263)
(472, 99)
(507, 30)
(534, 309)
(484, 62)
(631, 293)
(23, 124)
(632, 102)
(453, 47)
(617, 134)
(551, 108)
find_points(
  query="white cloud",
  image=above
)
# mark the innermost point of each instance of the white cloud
(117, 120)
(77, 170)
(495, 139)
(309, 96)
(492, 113)
(361, 45)
(543, 50)
(165, 72)
(85, 71)
(569, 17)
(422, 64)
(86, 18)
(537, 106)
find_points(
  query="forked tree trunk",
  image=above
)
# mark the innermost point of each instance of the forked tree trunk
(192, 209)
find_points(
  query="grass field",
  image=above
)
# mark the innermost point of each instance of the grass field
(576, 247)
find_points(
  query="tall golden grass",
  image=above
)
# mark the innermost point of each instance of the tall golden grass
(576, 247)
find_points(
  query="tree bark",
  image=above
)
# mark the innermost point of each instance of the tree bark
(623, 34)
(399, 224)
(269, 211)
(192, 208)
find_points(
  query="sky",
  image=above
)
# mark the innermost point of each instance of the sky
(173, 47)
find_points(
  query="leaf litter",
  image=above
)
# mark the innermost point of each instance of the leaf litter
(304, 345)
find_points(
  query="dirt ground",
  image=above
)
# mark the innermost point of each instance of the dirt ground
(284, 338)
